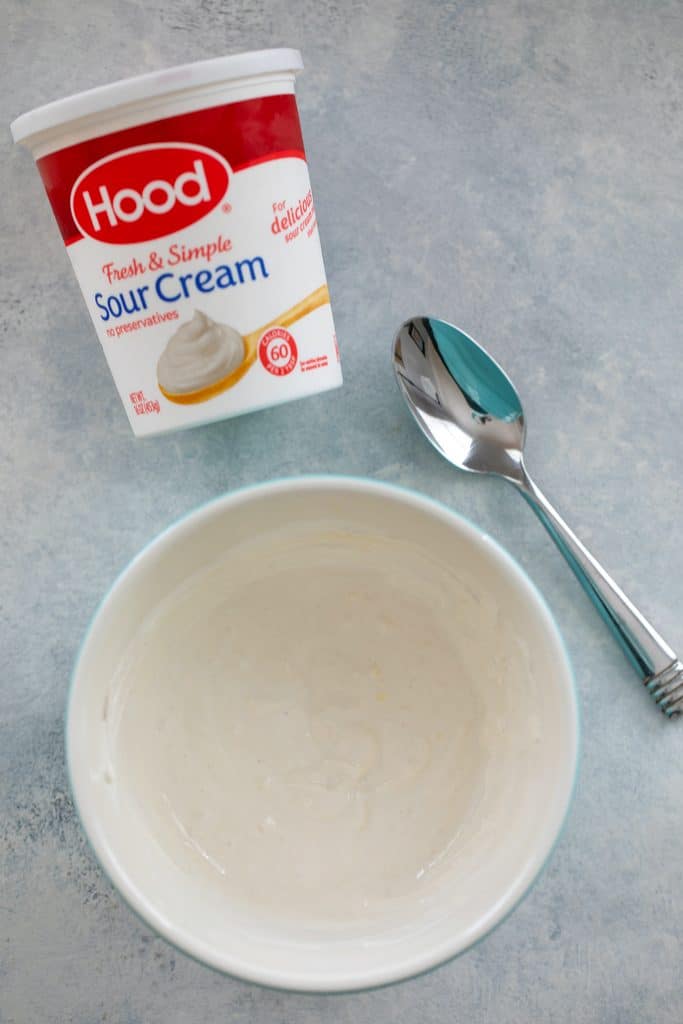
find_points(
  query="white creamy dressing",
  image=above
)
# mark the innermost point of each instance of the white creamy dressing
(200, 353)
(301, 723)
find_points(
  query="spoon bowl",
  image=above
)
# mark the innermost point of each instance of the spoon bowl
(461, 399)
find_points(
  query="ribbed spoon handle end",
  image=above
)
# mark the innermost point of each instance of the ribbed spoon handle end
(667, 689)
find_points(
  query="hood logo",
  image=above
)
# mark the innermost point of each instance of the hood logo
(147, 192)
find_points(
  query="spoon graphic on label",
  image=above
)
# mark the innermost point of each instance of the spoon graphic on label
(204, 358)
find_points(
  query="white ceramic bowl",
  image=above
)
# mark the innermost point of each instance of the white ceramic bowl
(510, 710)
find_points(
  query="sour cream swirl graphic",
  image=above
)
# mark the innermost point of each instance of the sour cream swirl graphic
(199, 354)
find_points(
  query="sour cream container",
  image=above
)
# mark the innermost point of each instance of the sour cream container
(185, 204)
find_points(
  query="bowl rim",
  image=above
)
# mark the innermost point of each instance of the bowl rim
(335, 982)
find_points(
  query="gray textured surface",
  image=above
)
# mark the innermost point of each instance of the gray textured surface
(511, 166)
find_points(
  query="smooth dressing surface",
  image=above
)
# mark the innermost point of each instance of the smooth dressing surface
(300, 722)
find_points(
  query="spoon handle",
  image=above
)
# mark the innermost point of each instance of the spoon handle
(653, 659)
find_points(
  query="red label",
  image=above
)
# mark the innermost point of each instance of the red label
(236, 135)
(146, 192)
(278, 352)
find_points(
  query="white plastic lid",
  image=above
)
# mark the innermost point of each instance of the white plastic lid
(156, 83)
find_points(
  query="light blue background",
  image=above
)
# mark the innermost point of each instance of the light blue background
(512, 166)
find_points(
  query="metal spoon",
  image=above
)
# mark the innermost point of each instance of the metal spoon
(469, 410)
